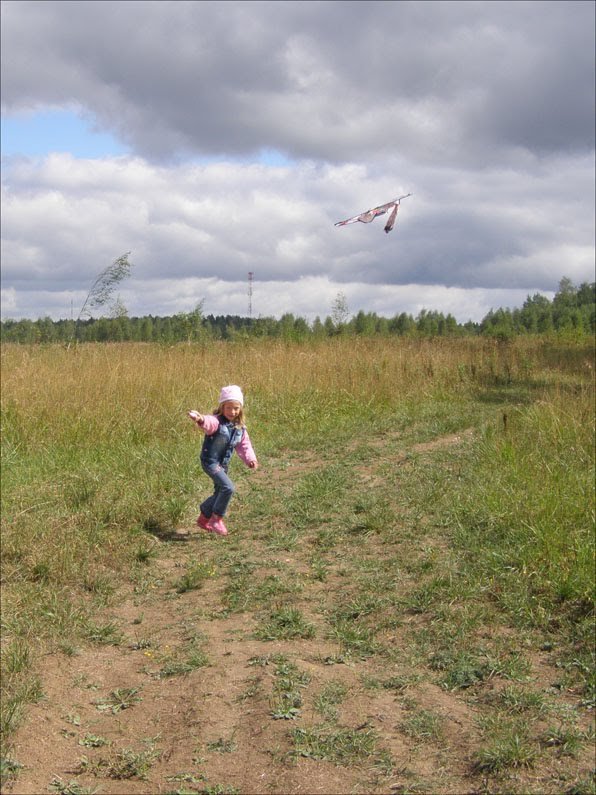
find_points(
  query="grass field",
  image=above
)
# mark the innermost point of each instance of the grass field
(421, 529)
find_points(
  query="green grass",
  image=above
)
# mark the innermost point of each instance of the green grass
(286, 623)
(510, 750)
(422, 725)
(329, 699)
(286, 699)
(196, 574)
(341, 746)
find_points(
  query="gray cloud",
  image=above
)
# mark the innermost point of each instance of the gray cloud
(471, 82)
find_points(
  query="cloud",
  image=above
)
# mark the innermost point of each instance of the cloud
(254, 126)
(470, 82)
(65, 219)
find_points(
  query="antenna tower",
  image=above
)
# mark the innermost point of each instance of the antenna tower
(250, 278)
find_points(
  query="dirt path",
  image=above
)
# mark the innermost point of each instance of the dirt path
(189, 698)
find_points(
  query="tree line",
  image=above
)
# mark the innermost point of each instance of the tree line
(572, 310)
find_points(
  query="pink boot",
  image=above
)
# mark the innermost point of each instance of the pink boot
(216, 525)
(203, 522)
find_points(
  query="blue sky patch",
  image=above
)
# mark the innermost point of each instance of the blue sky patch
(38, 134)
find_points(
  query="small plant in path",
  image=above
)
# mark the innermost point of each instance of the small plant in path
(120, 699)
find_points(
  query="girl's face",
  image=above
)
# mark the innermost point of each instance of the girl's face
(231, 409)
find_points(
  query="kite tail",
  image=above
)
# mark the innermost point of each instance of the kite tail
(391, 220)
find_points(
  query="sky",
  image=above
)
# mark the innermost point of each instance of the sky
(214, 139)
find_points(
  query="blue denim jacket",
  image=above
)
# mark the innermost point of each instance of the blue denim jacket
(218, 447)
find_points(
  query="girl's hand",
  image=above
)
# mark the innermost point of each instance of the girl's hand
(196, 417)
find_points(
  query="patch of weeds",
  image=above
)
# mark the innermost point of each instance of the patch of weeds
(336, 659)
(272, 587)
(16, 657)
(362, 605)
(186, 778)
(422, 724)
(326, 539)
(341, 746)
(398, 683)
(141, 643)
(124, 764)
(41, 572)
(68, 648)
(101, 586)
(145, 552)
(93, 741)
(201, 782)
(319, 568)
(578, 673)
(194, 577)
(585, 786)
(82, 681)
(237, 593)
(120, 699)
(460, 670)
(567, 741)
(283, 540)
(104, 634)
(508, 748)
(9, 769)
(61, 787)
(286, 623)
(517, 700)
(332, 694)
(354, 639)
(286, 698)
(181, 667)
(253, 689)
(144, 583)
(182, 661)
(422, 600)
(510, 665)
(316, 495)
(261, 660)
(376, 519)
(222, 746)
(384, 763)
(13, 701)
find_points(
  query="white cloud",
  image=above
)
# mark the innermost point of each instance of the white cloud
(66, 219)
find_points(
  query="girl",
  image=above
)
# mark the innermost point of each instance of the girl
(224, 432)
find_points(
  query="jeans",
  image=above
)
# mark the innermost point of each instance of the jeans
(224, 489)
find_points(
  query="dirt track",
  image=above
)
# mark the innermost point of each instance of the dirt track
(211, 729)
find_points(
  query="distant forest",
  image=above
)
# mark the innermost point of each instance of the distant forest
(572, 310)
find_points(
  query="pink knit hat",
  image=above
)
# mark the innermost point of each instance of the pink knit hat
(231, 392)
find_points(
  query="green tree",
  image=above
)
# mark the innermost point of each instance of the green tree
(339, 311)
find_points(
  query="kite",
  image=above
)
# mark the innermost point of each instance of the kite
(370, 215)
